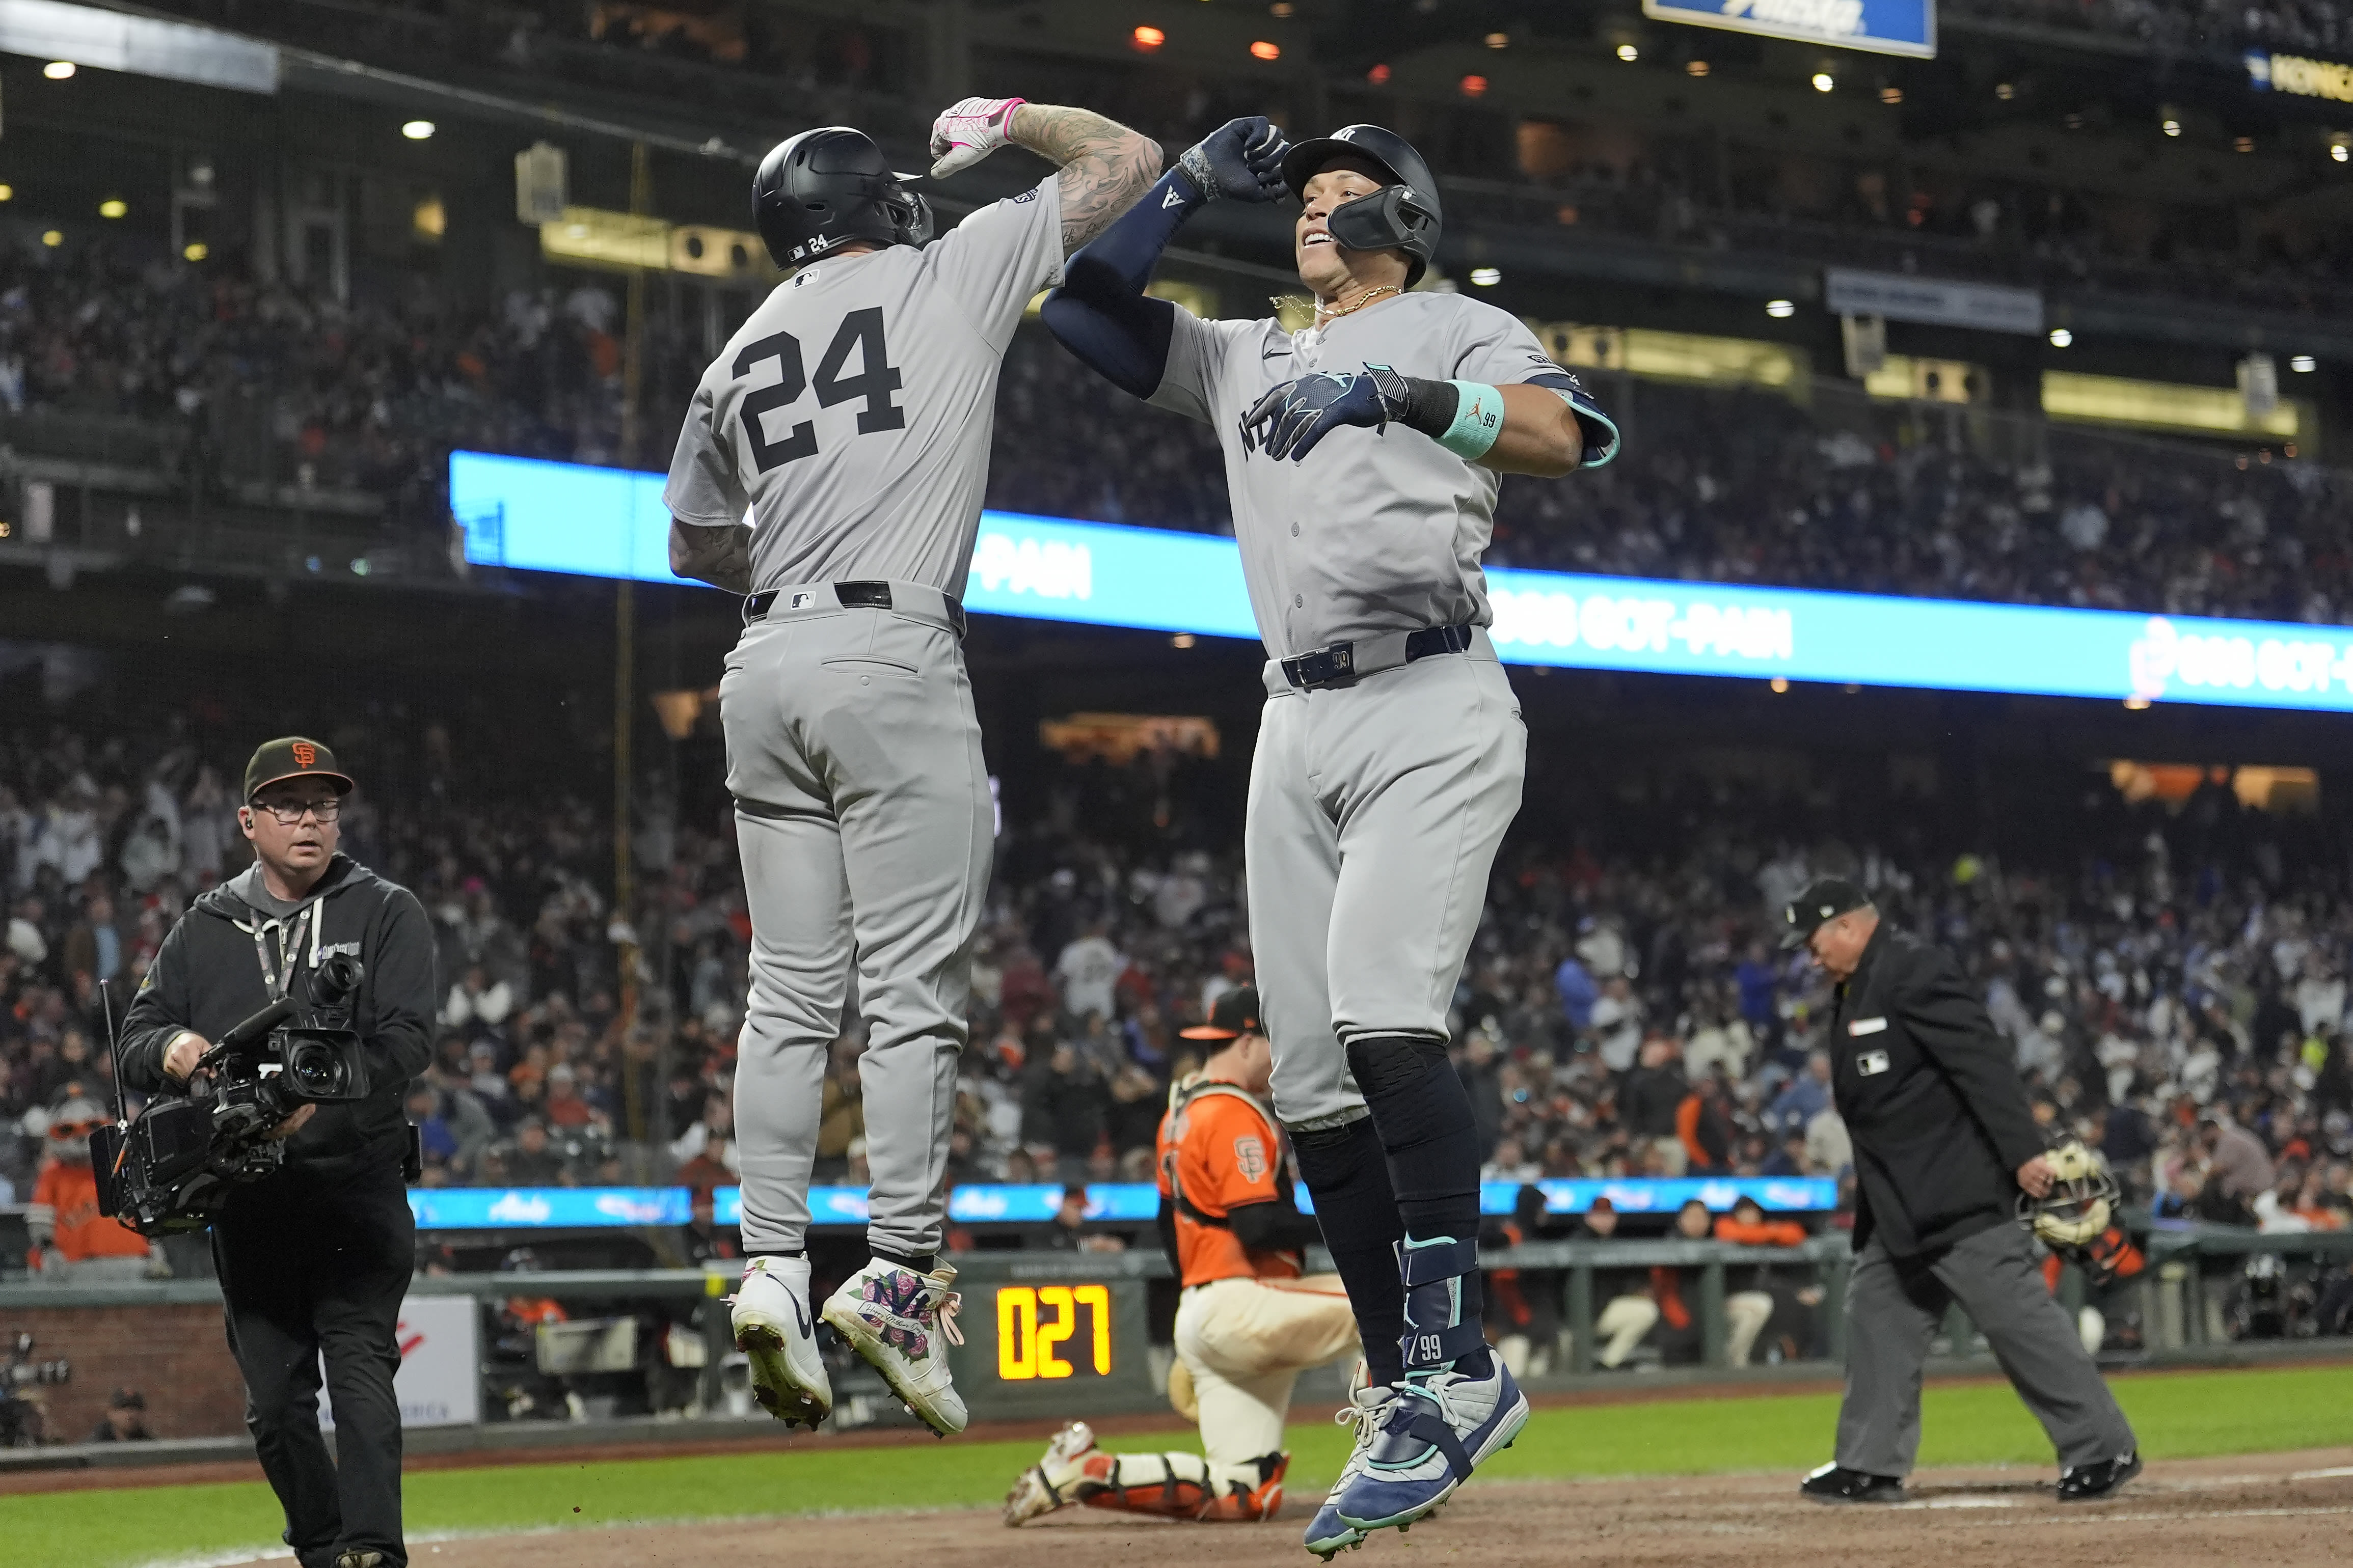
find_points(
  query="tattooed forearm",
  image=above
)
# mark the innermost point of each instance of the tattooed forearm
(1105, 166)
(719, 556)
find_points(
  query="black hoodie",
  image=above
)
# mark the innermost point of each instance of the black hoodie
(209, 976)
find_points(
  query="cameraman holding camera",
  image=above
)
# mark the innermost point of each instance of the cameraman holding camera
(316, 1256)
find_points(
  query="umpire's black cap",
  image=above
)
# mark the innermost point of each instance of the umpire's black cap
(1824, 899)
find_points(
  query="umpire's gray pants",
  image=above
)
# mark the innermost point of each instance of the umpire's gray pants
(863, 817)
(1376, 810)
(1893, 1309)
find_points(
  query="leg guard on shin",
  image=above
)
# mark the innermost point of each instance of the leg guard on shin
(1184, 1485)
(1425, 1127)
(1349, 1176)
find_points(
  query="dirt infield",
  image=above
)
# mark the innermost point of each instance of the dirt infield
(2275, 1509)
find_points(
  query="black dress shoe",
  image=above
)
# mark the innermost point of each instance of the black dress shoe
(2090, 1483)
(1836, 1483)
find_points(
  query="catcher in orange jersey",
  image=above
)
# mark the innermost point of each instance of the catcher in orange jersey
(1248, 1324)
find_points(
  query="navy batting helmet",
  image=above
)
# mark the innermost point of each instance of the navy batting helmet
(1403, 215)
(828, 186)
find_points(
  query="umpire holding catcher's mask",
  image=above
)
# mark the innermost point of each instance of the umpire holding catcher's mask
(315, 1257)
(1944, 1145)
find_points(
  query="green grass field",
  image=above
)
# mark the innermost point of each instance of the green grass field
(2177, 1417)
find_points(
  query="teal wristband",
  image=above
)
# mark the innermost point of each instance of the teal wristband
(1478, 420)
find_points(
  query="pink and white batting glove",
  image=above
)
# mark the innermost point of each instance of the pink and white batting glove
(970, 131)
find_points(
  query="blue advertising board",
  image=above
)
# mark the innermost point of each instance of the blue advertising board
(1881, 27)
(1121, 1203)
(561, 517)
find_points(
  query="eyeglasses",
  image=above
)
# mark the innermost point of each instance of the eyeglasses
(61, 1131)
(289, 815)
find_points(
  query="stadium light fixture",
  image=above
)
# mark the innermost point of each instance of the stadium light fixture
(2303, 364)
(1780, 685)
(2170, 127)
(2004, 92)
(1378, 75)
(2242, 144)
(197, 250)
(2340, 151)
(114, 207)
(1629, 53)
(1486, 277)
(1264, 50)
(417, 130)
(1824, 81)
(1148, 39)
(2137, 704)
(1499, 40)
(52, 239)
(1281, 8)
(1182, 640)
(59, 70)
(1695, 68)
(1891, 95)
(2062, 338)
(1780, 310)
(1473, 86)
(7, 192)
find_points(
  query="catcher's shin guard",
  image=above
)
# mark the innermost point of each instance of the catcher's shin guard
(1185, 1486)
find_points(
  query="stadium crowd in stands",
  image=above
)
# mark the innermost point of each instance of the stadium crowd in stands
(267, 381)
(2179, 993)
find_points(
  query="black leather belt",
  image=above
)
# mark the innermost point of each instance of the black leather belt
(1343, 661)
(854, 595)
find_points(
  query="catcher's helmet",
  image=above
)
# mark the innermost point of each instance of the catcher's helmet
(825, 187)
(1403, 215)
(2080, 1202)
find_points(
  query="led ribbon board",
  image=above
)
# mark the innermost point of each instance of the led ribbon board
(1880, 27)
(609, 522)
(1118, 1203)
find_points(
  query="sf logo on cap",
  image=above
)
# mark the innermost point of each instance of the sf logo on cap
(305, 755)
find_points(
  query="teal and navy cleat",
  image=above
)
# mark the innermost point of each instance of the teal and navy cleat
(1435, 1430)
(1366, 1410)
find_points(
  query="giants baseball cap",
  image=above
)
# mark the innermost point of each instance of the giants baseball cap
(1824, 899)
(291, 757)
(1234, 1015)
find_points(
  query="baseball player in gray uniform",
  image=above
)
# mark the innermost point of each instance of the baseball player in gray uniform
(1363, 454)
(831, 469)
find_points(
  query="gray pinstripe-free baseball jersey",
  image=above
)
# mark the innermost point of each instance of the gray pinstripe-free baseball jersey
(850, 415)
(1376, 807)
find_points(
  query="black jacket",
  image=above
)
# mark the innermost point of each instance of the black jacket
(207, 977)
(1930, 1096)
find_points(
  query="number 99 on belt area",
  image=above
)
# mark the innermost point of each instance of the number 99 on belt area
(1037, 1331)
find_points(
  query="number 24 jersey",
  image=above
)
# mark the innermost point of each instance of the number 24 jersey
(850, 415)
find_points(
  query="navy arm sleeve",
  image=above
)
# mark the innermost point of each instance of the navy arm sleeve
(1101, 312)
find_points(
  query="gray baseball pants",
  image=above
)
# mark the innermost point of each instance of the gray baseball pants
(1893, 1310)
(863, 817)
(1376, 810)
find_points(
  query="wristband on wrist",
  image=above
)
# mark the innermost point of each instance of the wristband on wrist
(1478, 420)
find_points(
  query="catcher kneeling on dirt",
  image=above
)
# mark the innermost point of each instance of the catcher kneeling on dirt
(1248, 1324)
(1947, 1152)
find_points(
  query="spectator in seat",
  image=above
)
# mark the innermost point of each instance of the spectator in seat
(1804, 1097)
(1629, 1314)
(1649, 1098)
(125, 1420)
(1069, 1232)
(2235, 1159)
(1703, 1127)
(533, 1162)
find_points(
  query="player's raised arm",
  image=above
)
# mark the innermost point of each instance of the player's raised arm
(1100, 314)
(1105, 166)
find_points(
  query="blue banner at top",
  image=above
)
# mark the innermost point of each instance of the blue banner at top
(561, 517)
(1116, 1203)
(1881, 27)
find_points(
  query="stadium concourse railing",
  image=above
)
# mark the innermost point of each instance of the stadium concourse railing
(1057, 1334)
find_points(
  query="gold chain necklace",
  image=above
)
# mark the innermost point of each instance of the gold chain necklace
(1366, 298)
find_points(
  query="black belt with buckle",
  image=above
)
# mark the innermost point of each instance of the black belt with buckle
(853, 596)
(1341, 662)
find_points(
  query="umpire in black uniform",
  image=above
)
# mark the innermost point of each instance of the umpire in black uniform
(316, 1256)
(1944, 1143)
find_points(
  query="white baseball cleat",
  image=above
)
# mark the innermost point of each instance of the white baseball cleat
(774, 1330)
(903, 1323)
(1053, 1481)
